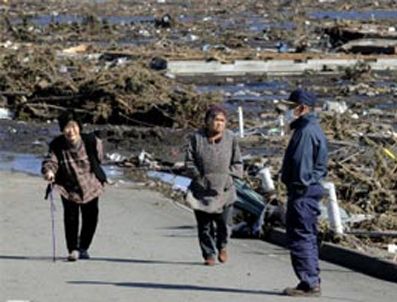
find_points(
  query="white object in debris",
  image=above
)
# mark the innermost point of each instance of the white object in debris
(357, 218)
(193, 38)
(76, 49)
(334, 106)
(5, 114)
(281, 123)
(169, 75)
(115, 157)
(241, 121)
(7, 44)
(144, 33)
(146, 159)
(143, 156)
(266, 179)
(333, 208)
(63, 69)
(392, 248)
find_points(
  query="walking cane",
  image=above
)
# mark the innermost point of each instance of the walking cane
(48, 193)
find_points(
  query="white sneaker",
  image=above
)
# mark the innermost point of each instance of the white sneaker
(74, 255)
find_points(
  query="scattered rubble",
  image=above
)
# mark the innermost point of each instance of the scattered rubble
(38, 85)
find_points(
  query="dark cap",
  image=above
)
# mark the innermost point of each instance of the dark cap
(302, 97)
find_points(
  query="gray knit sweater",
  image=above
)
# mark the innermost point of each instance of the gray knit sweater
(212, 167)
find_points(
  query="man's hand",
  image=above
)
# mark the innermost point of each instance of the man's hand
(49, 176)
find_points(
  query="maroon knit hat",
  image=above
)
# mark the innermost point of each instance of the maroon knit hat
(214, 110)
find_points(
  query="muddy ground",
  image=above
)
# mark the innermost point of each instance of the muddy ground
(107, 60)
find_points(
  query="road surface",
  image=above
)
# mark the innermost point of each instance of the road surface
(145, 249)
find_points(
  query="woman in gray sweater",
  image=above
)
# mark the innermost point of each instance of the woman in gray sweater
(213, 159)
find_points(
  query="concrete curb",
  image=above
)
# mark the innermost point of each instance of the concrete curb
(273, 67)
(357, 261)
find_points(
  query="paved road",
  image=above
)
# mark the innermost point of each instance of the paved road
(145, 250)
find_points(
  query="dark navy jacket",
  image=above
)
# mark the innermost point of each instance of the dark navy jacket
(305, 160)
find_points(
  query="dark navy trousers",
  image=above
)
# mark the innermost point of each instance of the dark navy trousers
(302, 213)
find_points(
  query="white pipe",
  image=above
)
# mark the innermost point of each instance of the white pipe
(266, 179)
(281, 125)
(335, 220)
(241, 120)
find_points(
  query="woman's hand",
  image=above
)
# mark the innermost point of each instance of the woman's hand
(49, 176)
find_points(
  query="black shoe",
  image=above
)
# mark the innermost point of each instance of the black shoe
(302, 292)
(84, 254)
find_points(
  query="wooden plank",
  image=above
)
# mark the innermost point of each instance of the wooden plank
(371, 46)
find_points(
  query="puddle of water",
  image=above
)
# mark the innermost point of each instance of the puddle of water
(178, 182)
(125, 42)
(45, 20)
(260, 26)
(356, 15)
(26, 163)
(128, 19)
(252, 96)
(257, 97)
(253, 90)
(251, 23)
(274, 86)
(254, 23)
(384, 101)
(31, 164)
(61, 19)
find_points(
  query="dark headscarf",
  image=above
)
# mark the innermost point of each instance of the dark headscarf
(213, 111)
(67, 117)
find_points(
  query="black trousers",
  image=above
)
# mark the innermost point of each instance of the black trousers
(213, 231)
(71, 214)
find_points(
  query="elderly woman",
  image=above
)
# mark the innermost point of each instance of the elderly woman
(73, 164)
(213, 159)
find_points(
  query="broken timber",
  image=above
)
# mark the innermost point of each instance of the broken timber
(274, 67)
(370, 46)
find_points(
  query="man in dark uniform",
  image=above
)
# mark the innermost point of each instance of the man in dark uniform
(304, 166)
